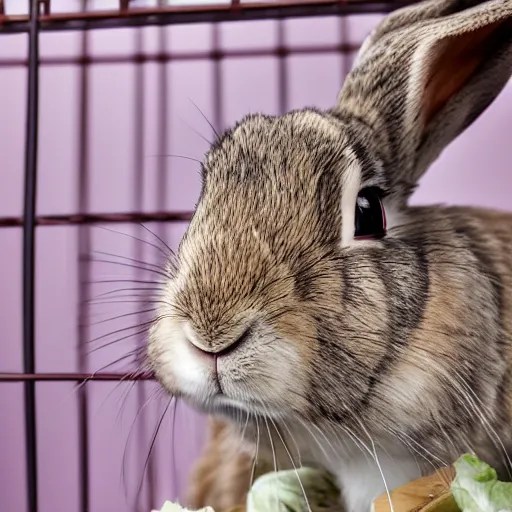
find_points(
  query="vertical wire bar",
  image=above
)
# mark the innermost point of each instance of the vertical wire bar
(282, 100)
(345, 56)
(29, 243)
(163, 180)
(218, 121)
(138, 173)
(84, 271)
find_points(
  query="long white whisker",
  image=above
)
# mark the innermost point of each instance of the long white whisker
(437, 459)
(293, 440)
(320, 445)
(376, 458)
(253, 470)
(293, 464)
(490, 430)
(274, 456)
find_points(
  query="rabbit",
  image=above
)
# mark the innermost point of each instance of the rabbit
(315, 315)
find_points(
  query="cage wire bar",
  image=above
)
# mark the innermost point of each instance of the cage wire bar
(167, 14)
(29, 253)
(84, 277)
(40, 18)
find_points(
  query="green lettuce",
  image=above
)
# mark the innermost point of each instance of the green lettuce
(476, 487)
(282, 490)
(175, 507)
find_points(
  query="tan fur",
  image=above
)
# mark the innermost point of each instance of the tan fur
(498, 228)
(221, 478)
(445, 307)
(321, 349)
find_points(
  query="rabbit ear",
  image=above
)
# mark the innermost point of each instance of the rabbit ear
(423, 76)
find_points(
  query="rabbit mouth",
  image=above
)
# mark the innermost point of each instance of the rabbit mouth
(237, 410)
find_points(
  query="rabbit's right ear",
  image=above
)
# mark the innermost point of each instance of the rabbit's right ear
(423, 76)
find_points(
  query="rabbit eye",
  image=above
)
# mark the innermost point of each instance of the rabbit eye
(370, 216)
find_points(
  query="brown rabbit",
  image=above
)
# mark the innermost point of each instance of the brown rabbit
(323, 320)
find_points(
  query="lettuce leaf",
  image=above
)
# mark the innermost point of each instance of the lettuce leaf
(175, 507)
(476, 487)
(282, 491)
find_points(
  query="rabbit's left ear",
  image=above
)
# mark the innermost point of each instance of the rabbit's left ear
(424, 75)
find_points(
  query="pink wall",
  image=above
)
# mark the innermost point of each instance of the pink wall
(474, 170)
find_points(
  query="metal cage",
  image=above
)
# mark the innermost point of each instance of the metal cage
(40, 18)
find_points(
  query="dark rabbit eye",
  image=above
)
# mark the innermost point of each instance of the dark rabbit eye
(370, 215)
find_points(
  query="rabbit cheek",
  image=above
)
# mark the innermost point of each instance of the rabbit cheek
(299, 333)
(267, 375)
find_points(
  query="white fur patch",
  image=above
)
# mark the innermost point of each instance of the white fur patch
(308, 119)
(178, 358)
(191, 336)
(362, 481)
(359, 466)
(351, 184)
(394, 217)
(189, 370)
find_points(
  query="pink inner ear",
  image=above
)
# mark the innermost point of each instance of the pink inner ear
(455, 64)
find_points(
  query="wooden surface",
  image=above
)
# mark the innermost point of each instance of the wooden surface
(427, 494)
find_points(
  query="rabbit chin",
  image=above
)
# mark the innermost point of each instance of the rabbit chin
(259, 378)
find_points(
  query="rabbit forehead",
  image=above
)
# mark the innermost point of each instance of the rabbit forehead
(276, 188)
(296, 146)
(295, 166)
(271, 203)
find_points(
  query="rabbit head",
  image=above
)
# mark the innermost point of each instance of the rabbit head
(306, 290)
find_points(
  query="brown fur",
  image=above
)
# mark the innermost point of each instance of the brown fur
(496, 229)
(313, 346)
(221, 479)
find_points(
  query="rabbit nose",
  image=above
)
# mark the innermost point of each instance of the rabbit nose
(197, 344)
(201, 352)
(215, 348)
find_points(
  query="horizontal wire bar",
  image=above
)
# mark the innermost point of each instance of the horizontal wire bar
(182, 14)
(99, 218)
(137, 58)
(70, 377)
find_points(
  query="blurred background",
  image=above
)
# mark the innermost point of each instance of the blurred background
(122, 121)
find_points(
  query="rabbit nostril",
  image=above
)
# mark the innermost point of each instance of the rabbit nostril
(233, 343)
(219, 348)
(200, 349)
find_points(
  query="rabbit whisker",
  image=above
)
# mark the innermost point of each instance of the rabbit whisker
(166, 254)
(142, 408)
(320, 445)
(152, 444)
(255, 461)
(127, 258)
(119, 290)
(124, 315)
(274, 457)
(142, 325)
(135, 281)
(292, 437)
(159, 272)
(373, 454)
(206, 119)
(293, 464)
